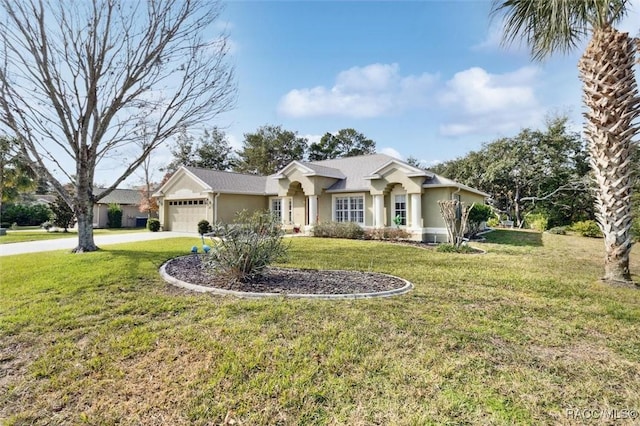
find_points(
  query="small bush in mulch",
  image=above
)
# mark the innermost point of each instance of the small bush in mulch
(450, 248)
(153, 225)
(246, 248)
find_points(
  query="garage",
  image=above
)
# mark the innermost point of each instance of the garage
(184, 215)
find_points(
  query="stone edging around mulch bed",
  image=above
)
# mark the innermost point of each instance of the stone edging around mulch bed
(408, 286)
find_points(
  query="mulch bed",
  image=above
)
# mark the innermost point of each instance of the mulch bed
(285, 281)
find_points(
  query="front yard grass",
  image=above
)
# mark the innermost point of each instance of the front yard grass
(517, 336)
(39, 234)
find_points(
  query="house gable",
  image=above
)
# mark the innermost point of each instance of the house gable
(396, 172)
(183, 184)
(313, 179)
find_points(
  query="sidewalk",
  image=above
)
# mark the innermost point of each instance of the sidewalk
(100, 240)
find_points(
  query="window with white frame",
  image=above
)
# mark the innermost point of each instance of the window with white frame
(276, 208)
(350, 209)
(282, 208)
(400, 208)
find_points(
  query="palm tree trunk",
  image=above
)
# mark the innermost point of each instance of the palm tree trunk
(611, 98)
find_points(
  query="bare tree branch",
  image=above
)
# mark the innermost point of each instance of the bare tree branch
(571, 186)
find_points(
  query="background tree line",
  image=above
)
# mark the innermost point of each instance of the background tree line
(264, 151)
(538, 173)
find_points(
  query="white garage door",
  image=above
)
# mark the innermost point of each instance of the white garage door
(184, 215)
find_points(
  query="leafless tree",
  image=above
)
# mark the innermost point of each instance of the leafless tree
(456, 218)
(78, 80)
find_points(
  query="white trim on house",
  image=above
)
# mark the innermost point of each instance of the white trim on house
(408, 169)
(455, 185)
(309, 171)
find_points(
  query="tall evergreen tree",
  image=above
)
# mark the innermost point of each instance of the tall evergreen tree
(269, 149)
(345, 143)
(214, 151)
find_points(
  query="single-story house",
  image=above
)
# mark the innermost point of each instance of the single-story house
(129, 201)
(370, 190)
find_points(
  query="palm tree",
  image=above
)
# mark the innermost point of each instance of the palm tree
(610, 96)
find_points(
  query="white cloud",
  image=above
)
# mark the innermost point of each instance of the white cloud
(234, 141)
(392, 153)
(361, 92)
(493, 39)
(479, 92)
(312, 138)
(473, 101)
(478, 101)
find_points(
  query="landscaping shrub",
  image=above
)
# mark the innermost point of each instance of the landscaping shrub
(349, 230)
(204, 227)
(450, 248)
(153, 225)
(478, 214)
(25, 215)
(62, 216)
(559, 230)
(114, 216)
(587, 228)
(5, 225)
(387, 234)
(493, 222)
(537, 221)
(246, 248)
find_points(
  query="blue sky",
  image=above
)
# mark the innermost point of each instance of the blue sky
(427, 79)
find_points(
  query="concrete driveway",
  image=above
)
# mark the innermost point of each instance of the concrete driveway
(100, 240)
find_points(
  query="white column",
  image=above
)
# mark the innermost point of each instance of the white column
(378, 209)
(416, 211)
(313, 209)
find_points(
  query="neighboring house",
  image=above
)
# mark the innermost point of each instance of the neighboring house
(370, 190)
(129, 201)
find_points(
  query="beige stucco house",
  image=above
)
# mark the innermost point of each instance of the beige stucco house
(370, 190)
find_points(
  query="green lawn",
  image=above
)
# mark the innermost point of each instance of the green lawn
(39, 234)
(517, 336)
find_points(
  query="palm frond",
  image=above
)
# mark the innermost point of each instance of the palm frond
(548, 26)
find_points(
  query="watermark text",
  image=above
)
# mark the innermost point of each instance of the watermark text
(602, 413)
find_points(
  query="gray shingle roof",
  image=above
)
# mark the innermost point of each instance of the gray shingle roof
(324, 170)
(354, 169)
(230, 182)
(119, 196)
(440, 181)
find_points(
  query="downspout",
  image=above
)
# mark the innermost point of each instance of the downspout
(215, 208)
(455, 192)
